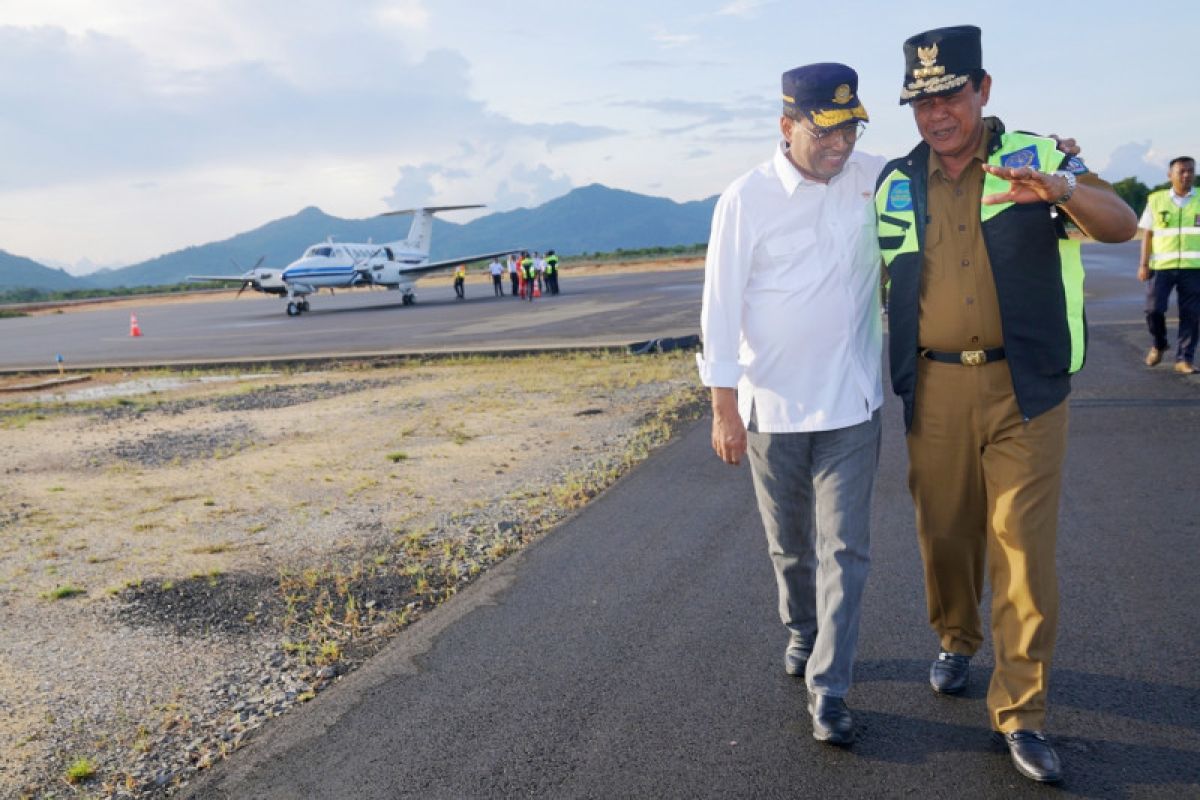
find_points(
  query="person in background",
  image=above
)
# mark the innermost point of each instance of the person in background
(552, 271)
(497, 277)
(460, 278)
(528, 275)
(1171, 260)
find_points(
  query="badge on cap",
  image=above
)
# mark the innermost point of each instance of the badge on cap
(842, 94)
(928, 58)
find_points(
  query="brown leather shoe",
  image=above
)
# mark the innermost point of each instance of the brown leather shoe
(1184, 368)
(1153, 357)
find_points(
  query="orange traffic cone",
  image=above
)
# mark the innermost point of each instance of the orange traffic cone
(134, 330)
(537, 292)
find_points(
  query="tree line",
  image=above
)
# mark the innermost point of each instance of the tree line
(1134, 192)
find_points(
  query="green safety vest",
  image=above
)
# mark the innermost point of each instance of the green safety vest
(1037, 270)
(527, 267)
(1175, 243)
(551, 265)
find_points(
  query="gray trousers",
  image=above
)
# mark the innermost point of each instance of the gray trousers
(814, 494)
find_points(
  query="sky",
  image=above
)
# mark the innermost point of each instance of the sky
(132, 128)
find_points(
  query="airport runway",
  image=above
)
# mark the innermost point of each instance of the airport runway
(635, 652)
(592, 310)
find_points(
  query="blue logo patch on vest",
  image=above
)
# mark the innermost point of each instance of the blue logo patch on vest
(1025, 157)
(899, 196)
(1076, 165)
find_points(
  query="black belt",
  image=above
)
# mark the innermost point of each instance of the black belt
(968, 358)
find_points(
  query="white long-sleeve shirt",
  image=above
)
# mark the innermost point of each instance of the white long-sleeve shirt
(791, 313)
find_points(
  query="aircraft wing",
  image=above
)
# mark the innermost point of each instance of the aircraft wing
(242, 277)
(432, 266)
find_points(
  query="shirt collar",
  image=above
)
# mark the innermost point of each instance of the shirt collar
(1190, 192)
(792, 179)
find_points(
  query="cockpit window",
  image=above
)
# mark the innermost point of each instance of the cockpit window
(319, 251)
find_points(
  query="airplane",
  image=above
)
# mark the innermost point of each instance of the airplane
(342, 265)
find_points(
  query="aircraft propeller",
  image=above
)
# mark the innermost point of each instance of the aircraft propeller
(250, 277)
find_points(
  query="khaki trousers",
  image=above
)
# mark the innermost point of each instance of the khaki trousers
(985, 484)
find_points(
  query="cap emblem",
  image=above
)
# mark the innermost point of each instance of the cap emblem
(928, 58)
(842, 94)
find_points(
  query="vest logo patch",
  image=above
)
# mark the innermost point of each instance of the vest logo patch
(899, 196)
(1025, 157)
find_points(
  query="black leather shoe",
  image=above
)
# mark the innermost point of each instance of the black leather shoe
(831, 719)
(795, 660)
(949, 673)
(1032, 755)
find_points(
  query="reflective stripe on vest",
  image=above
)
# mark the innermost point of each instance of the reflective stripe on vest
(1175, 243)
(897, 229)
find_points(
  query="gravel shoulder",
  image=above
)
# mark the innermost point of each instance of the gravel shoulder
(178, 567)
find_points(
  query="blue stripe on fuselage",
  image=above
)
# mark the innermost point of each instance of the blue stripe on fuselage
(303, 273)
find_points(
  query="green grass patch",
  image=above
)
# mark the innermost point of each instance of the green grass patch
(63, 592)
(81, 769)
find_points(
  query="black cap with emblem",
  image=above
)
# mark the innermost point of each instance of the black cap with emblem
(826, 94)
(940, 61)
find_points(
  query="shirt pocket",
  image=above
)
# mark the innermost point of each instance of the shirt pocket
(934, 268)
(788, 250)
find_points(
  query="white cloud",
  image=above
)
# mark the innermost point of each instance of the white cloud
(671, 40)
(1137, 160)
(742, 8)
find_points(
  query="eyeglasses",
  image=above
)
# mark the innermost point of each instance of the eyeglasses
(850, 134)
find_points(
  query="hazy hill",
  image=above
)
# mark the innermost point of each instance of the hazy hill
(17, 272)
(589, 219)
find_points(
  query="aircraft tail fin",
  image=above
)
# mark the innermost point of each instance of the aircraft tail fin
(420, 233)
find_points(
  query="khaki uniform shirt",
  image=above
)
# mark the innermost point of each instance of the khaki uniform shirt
(958, 307)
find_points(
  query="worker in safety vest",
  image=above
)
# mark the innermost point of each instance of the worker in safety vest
(552, 271)
(528, 274)
(460, 278)
(1171, 260)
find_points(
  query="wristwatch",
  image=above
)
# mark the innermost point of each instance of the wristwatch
(1070, 176)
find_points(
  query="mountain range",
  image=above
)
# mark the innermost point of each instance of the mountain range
(589, 219)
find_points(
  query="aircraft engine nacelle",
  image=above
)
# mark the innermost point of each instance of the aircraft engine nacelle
(387, 273)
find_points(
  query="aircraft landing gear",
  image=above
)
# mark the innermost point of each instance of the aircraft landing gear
(295, 308)
(409, 299)
(304, 305)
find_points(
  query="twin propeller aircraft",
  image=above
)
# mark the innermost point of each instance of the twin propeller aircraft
(342, 265)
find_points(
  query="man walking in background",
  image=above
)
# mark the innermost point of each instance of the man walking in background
(1171, 260)
(792, 346)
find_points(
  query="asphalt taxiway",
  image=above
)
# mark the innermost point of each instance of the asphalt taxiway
(592, 310)
(635, 651)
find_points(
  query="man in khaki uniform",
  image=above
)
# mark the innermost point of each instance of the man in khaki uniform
(986, 319)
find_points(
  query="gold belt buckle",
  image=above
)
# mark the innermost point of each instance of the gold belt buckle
(973, 358)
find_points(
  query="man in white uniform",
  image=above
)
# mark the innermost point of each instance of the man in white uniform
(792, 346)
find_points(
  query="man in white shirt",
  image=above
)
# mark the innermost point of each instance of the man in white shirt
(497, 281)
(792, 346)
